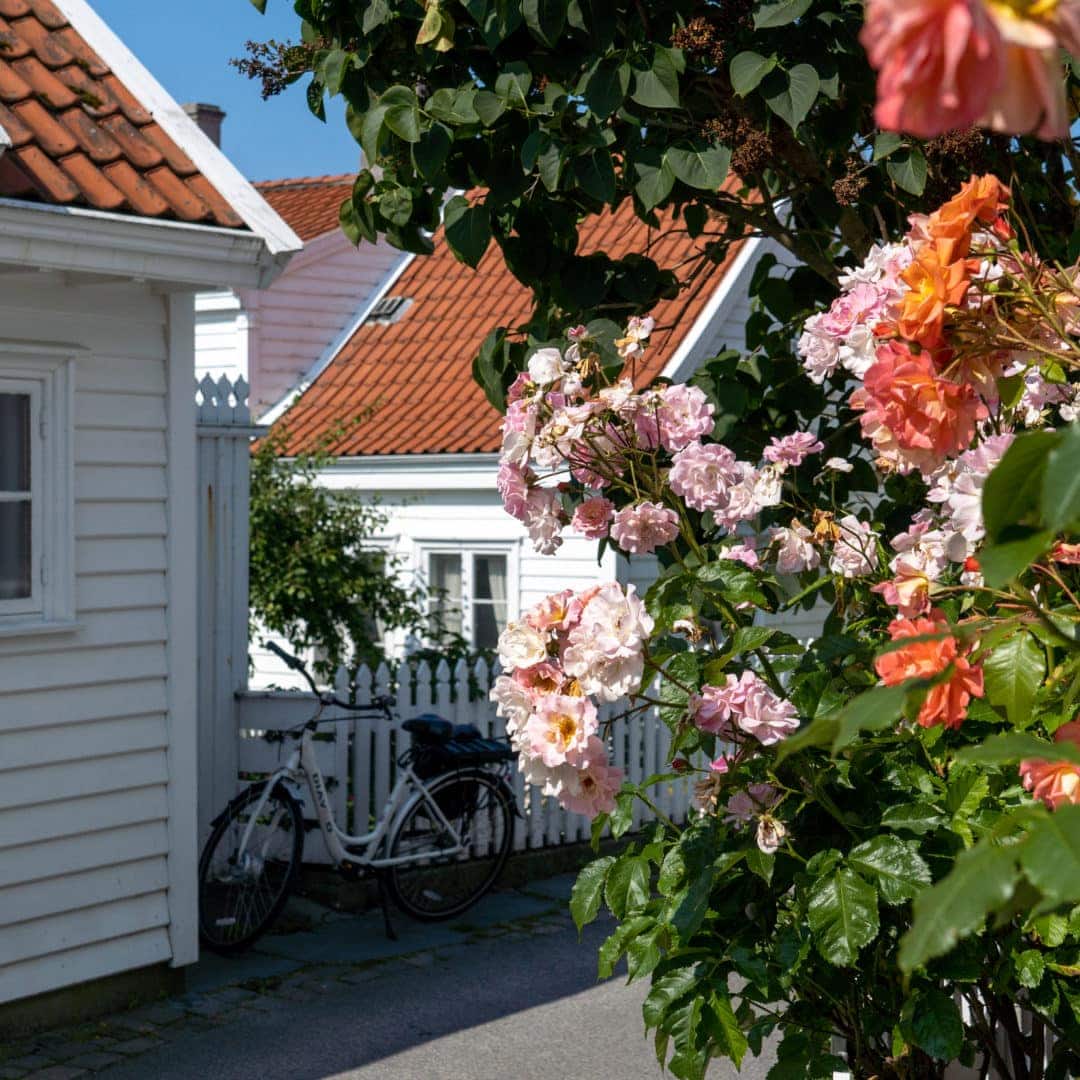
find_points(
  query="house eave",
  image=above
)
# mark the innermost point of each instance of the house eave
(45, 237)
(413, 472)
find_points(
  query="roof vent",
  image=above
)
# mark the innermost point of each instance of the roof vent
(387, 310)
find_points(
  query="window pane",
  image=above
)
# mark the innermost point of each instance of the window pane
(15, 551)
(489, 620)
(490, 571)
(444, 577)
(14, 442)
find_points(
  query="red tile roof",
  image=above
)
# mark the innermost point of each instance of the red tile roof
(411, 381)
(309, 204)
(78, 135)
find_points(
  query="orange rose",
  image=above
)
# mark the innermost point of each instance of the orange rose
(947, 702)
(932, 286)
(1055, 782)
(981, 201)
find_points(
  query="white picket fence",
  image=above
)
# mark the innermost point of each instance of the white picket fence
(358, 756)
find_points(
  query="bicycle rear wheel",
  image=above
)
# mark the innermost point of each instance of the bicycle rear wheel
(479, 807)
(241, 894)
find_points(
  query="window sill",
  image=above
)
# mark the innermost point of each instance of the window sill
(37, 627)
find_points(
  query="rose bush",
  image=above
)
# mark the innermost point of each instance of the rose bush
(866, 801)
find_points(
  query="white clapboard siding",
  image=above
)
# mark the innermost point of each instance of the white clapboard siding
(83, 714)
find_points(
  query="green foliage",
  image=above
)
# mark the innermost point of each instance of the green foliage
(312, 578)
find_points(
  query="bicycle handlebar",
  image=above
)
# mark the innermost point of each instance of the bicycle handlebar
(382, 702)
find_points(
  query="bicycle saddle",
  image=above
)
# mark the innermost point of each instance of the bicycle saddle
(429, 728)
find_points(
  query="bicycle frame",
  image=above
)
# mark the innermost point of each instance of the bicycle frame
(302, 768)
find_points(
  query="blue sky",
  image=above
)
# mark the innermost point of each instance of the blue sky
(187, 47)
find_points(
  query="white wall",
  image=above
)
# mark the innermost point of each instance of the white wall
(84, 714)
(274, 337)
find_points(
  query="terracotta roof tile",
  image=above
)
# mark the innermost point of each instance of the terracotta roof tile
(96, 188)
(310, 204)
(415, 374)
(79, 135)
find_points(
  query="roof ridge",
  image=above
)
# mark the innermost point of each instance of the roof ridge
(330, 180)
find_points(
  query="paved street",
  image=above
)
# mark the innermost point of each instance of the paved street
(506, 992)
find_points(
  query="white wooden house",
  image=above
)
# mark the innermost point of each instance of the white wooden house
(273, 337)
(114, 211)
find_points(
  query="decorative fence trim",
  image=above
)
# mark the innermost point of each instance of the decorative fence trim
(360, 754)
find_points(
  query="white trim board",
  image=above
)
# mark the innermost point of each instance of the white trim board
(413, 472)
(208, 159)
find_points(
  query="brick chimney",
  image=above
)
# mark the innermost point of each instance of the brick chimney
(208, 117)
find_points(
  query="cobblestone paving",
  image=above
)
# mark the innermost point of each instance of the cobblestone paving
(324, 950)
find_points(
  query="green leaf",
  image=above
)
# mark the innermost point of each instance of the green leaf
(654, 184)
(468, 230)
(885, 144)
(396, 205)
(668, 989)
(842, 913)
(908, 170)
(259, 5)
(626, 887)
(1030, 966)
(936, 1025)
(595, 175)
(1015, 551)
(918, 818)
(761, 863)
(873, 710)
(657, 87)
(779, 14)
(605, 88)
(546, 19)
(982, 879)
(895, 865)
(1051, 855)
(1014, 487)
(588, 890)
(700, 165)
(794, 101)
(489, 368)
(643, 954)
(376, 13)
(1061, 484)
(724, 1027)
(747, 71)
(688, 908)
(1013, 672)
(404, 122)
(430, 153)
(489, 107)
(1016, 745)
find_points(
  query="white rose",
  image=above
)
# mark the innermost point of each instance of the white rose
(546, 366)
(520, 646)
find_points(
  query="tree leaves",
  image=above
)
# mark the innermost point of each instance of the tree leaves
(793, 101)
(981, 880)
(606, 86)
(546, 19)
(935, 1025)
(908, 170)
(895, 865)
(748, 69)
(1013, 672)
(588, 890)
(468, 230)
(1050, 855)
(782, 13)
(657, 87)
(1061, 482)
(843, 915)
(1013, 489)
(1015, 745)
(699, 165)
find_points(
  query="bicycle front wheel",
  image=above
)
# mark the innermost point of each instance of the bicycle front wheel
(434, 885)
(241, 892)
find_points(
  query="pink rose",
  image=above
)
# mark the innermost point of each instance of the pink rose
(593, 517)
(642, 528)
(792, 449)
(701, 475)
(1054, 782)
(512, 483)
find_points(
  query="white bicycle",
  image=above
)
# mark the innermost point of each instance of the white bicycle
(438, 846)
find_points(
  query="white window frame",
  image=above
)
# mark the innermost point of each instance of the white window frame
(468, 550)
(46, 373)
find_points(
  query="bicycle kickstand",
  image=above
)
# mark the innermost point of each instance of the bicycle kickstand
(384, 900)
